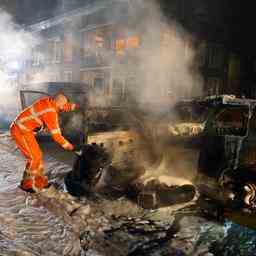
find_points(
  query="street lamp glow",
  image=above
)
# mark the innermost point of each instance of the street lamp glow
(14, 65)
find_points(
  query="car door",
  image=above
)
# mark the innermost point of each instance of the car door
(27, 97)
(72, 124)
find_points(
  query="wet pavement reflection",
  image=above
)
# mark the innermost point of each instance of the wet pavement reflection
(24, 229)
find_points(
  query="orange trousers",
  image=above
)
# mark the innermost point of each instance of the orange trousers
(33, 175)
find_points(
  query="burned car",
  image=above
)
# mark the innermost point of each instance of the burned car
(129, 163)
(227, 161)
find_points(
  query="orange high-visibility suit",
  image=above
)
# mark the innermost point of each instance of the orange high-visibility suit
(43, 113)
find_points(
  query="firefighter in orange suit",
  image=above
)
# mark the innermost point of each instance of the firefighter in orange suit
(41, 114)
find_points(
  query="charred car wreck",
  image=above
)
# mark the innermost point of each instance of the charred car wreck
(122, 179)
(226, 167)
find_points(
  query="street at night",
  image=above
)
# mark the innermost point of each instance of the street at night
(127, 128)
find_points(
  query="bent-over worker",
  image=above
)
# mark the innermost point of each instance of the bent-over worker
(43, 113)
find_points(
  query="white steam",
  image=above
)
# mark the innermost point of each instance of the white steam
(167, 64)
(166, 71)
(16, 46)
(16, 43)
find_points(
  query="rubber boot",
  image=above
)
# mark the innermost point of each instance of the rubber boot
(34, 184)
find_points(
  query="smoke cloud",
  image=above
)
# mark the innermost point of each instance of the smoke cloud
(16, 46)
(166, 71)
(16, 43)
(166, 67)
(167, 64)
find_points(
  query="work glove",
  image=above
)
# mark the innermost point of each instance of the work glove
(77, 150)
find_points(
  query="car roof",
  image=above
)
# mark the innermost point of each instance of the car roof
(218, 100)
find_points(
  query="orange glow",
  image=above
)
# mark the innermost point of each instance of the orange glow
(99, 41)
(130, 42)
(120, 46)
(133, 42)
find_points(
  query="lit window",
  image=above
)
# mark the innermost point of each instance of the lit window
(120, 46)
(133, 42)
(123, 43)
(99, 41)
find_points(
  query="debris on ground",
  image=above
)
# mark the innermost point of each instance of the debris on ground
(103, 224)
(122, 178)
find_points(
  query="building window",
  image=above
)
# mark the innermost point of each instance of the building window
(68, 76)
(215, 56)
(99, 83)
(201, 12)
(117, 89)
(234, 68)
(99, 86)
(202, 54)
(87, 43)
(54, 77)
(131, 87)
(122, 44)
(99, 41)
(87, 78)
(68, 48)
(213, 86)
(55, 50)
(96, 42)
(133, 41)
(36, 58)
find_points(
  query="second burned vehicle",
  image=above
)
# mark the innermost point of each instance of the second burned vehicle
(227, 161)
